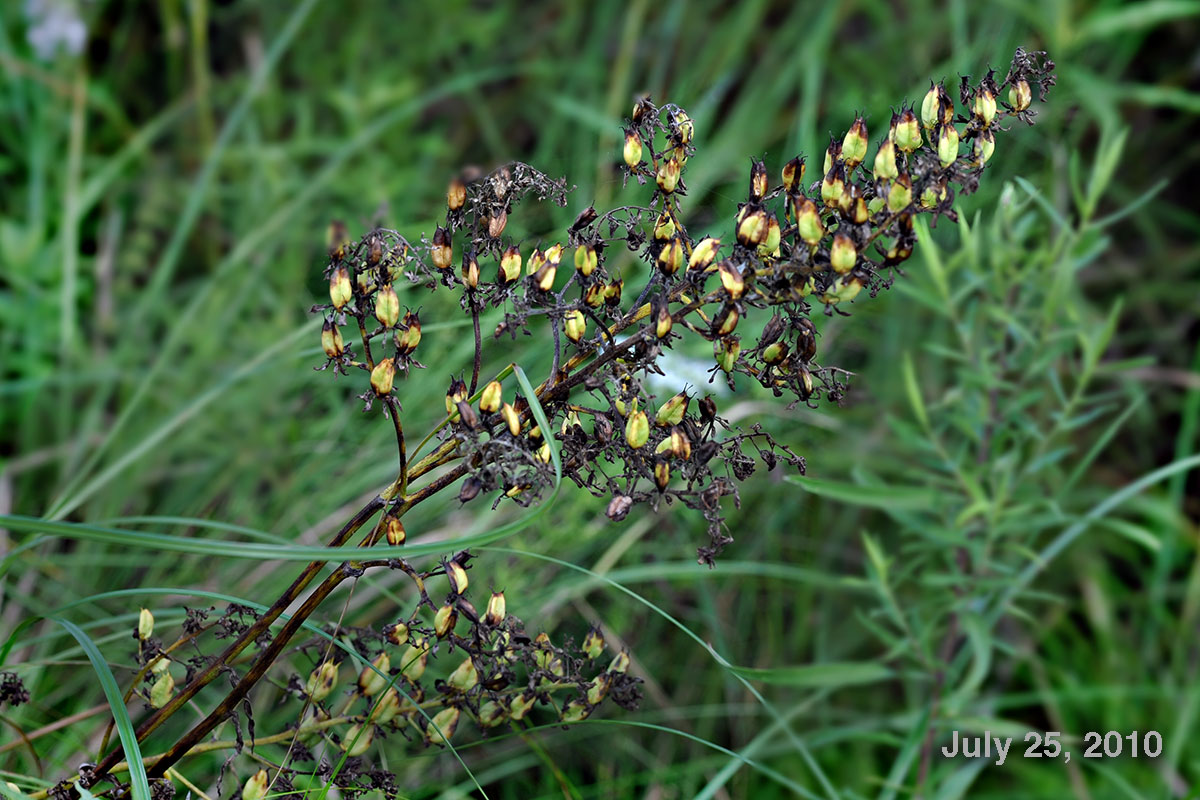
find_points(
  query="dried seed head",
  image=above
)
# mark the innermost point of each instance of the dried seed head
(471, 488)
(387, 306)
(708, 409)
(256, 787)
(321, 681)
(336, 239)
(842, 255)
(619, 507)
(358, 739)
(145, 626)
(667, 176)
(373, 679)
(442, 252)
(331, 340)
(495, 610)
(456, 194)
(586, 259)
(758, 181)
(510, 266)
(633, 149)
(703, 253)
(637, 429)
(793, 175)
(575, 325)
(340, 290)
(382, 376)
(496, 224)
(885, 161)
(854, 145)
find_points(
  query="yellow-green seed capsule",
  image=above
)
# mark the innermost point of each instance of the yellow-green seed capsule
(793, 175)
(612, 292)
(464, 677)
(256, 787)
(662, 474)
(770, 245)
(930, 107)
(843, 290)
(832, 186)
(664, 227)
(443, 620)
(575, 711)
(495, 610)
(442, 726)
(386, 708)
(510, 265)
(947, 146)
(442, 253)
(470, 271)
(593, 296)
(372, 680)
(519, 706)
(544, 277)
(358, 739)
(599, 688)
(985, 145)
(984, 106)
(854, 144)
(637, 429)
(672, 411)
(537, 260)
(161, 690)
(900, 194)
(491, 714)
(412, 666)
(456, 195)
(554, 254)
(145, 626)
(586, 259)
(633, 149)
(490, 398)
(393, 529)
(808, 222)
(159, 665)
(907, 131)
(885, 161)
(340, 290)
(620, 663)
(726, 320)
(670, 257)
(1020, 95)
(321, 681)
(932, 196)
(758, 181)
(575, 325)
(383, 376)
(668, 175)
(663, 322)
(775, 352)
(397, 633)
(731, 280)
(833, 155)
(753, 228)
(593, 643)
(681, 445)
(704, 253)
(842, 255)
(457, 576)
(727, 351)
(684, 126)
(511, 418)
(387, 306)
(331, 340)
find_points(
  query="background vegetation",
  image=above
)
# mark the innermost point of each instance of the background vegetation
(991, 537)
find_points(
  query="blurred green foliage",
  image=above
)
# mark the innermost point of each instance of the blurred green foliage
(165, 193)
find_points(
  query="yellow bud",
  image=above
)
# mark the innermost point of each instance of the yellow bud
(842, 255)
(704, 253)
(885, 161)
(464, 678)
(727, 351)
(491, 714)
(383, 376)
(575, 711)
(495, 610)
(663, 322)
(256, 787)
(357, 739)
(387, 306)
(668, 175)
(593, 296)
(161, 690)
(684, 126)
(510, 265)
(340, 290)
(489, 399)
(575, 325)
(321, 681)
(637, 429)
(854, 145)
(633, 149)
(612, 292)
(554, 254)
(586, 259)
(442, 726)
(511, 418)
(726, 320)
(775, 352)
(770, 246)
(947, 146)
(470, 271)
(331, 340)
(599, 688)
(145, 626)
(844, 289)
(670, 257)
(371, 682)
(731, 280)
(393, 529)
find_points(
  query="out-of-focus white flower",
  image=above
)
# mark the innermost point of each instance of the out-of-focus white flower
(55, 24)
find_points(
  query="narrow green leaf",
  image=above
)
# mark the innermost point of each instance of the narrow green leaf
(886, 497)
(820, 676)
